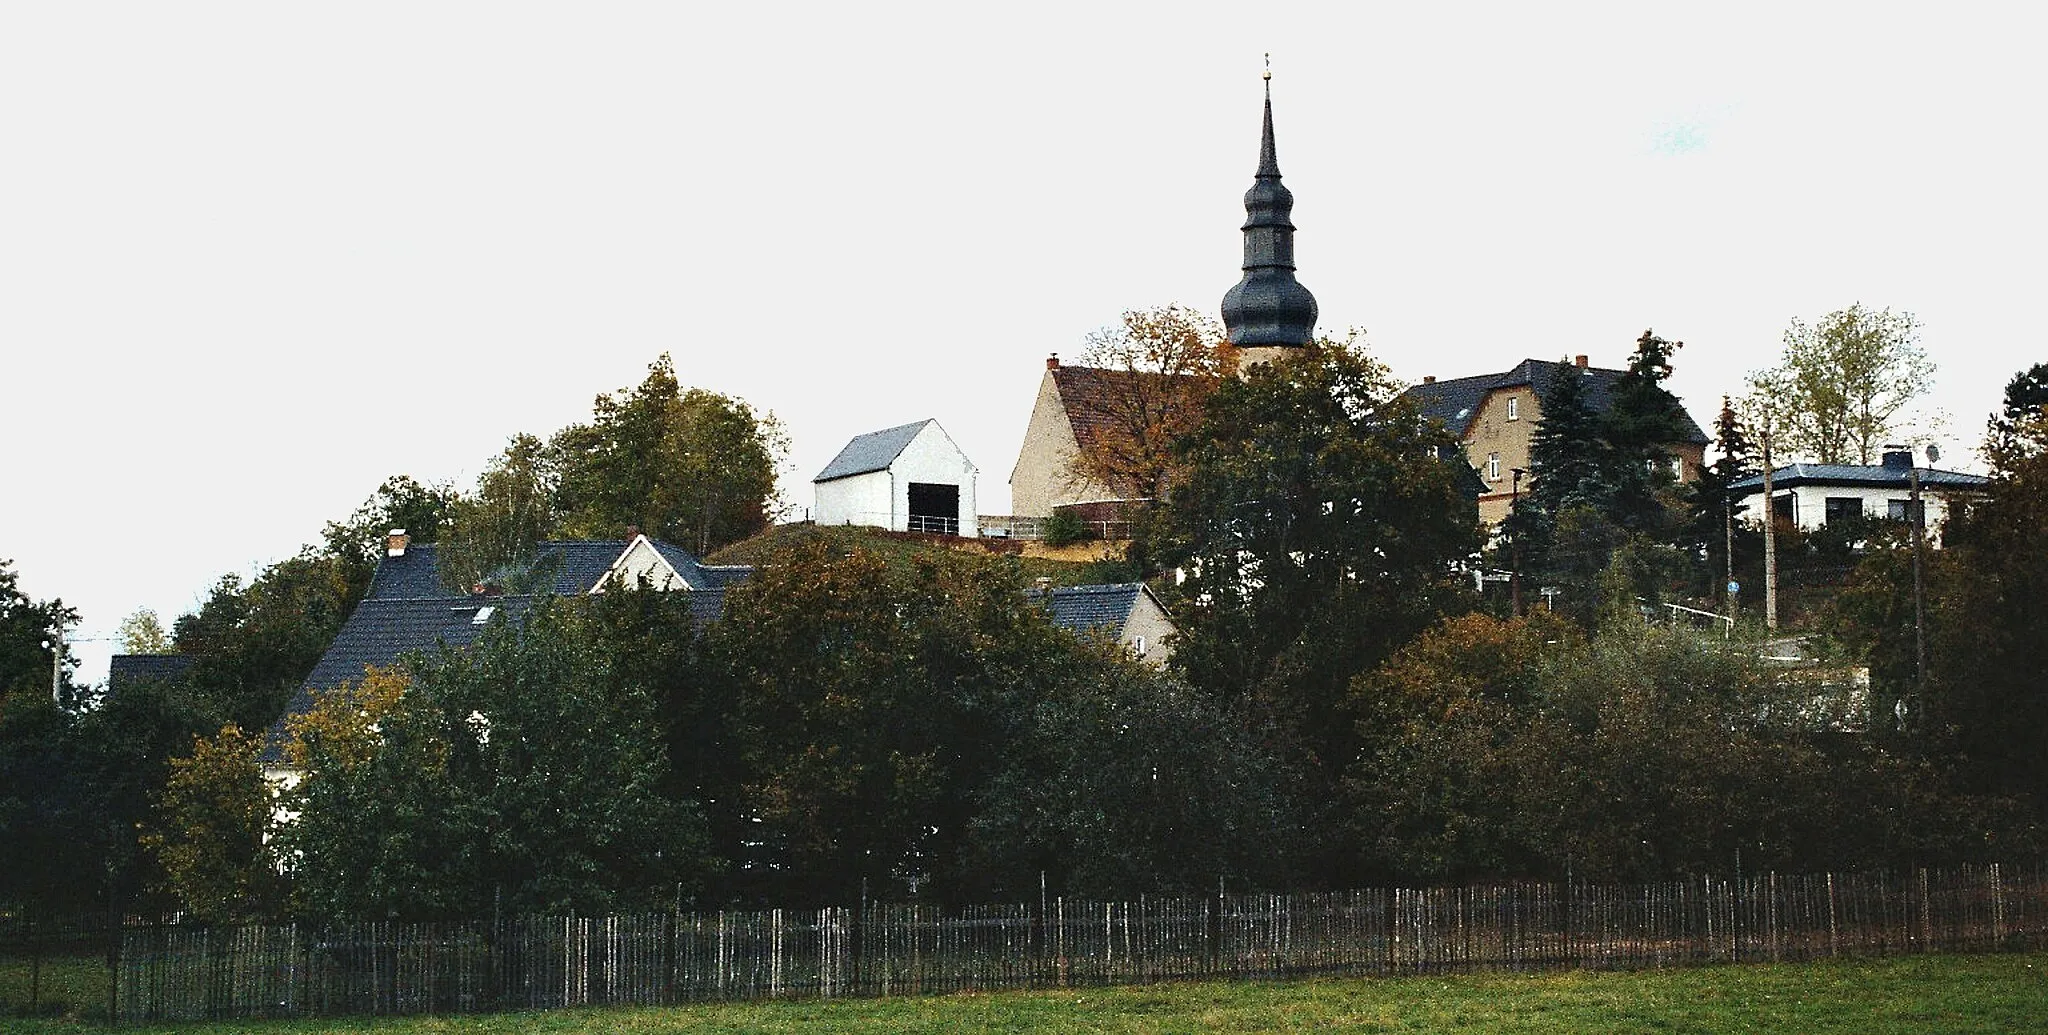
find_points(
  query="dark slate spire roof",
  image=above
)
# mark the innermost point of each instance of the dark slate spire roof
(1268, 306)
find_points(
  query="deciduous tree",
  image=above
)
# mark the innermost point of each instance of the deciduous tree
(492, 533)
(1843, 385)
(209, 831)
(142, 633)
(690, 466)
(1317, 528)
(1163, 364)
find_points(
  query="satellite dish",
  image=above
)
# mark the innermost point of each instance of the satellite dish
(1933, 453)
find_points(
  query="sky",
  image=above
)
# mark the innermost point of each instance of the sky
(257, 257)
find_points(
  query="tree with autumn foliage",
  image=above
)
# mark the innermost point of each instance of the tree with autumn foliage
(1161, 365)
(210, 830)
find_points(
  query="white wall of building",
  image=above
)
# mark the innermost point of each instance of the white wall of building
(882, 498)
(641, 561)
(862, 499)
(1810, 507)
(932, 457)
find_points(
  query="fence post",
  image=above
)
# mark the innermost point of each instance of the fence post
(775, 954)
(1834, 932)
(1997, 906)
(1926, 915)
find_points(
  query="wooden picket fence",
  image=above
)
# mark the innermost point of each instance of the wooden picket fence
(191, 972)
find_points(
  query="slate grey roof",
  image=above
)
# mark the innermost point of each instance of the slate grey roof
(407, 610)
(874, 451)
(1860, 475)
(1079, 609)
(577, 564)
(1456, 401)
(126, 670)
(383, 630)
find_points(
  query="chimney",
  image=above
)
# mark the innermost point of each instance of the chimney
(396, 542)
(1898, 458)
(1052, 362)
(1429, 379)
(1579, 361)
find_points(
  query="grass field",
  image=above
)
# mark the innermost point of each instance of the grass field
(1917, 995)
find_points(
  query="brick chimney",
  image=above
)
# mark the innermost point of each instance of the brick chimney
(1429, 379)
(1898, 458)
(396, 542)
(1052, 362)
(1579, 361)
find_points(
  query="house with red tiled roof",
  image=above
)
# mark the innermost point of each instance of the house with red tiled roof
(1080, 409)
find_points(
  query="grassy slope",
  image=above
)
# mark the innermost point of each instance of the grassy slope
(1918, 995)
(899, 549)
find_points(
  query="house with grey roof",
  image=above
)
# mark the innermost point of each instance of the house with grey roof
(909, 478)
(1495, 417)
(409, 607)
(128, 671)
(1126, 613)
(1812, 496)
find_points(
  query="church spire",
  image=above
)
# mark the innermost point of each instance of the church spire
(1268, 309)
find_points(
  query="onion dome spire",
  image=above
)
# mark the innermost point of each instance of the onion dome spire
(1269, 308)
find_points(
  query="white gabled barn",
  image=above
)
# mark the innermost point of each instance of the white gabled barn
(911, 478)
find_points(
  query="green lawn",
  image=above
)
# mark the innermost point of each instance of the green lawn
(1916, 995)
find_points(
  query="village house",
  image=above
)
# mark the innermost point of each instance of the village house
(1125, 613)
(1495, 416)
(410, 608)
(1812, 496)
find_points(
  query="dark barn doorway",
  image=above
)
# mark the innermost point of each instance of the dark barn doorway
(935, 508)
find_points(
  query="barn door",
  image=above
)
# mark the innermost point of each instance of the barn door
(935, 508)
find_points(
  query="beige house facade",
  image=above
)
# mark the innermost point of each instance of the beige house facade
(1495, 417)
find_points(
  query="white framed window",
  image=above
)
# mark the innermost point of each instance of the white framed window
(1138, 645)
(1493, 467)
(1514, 407)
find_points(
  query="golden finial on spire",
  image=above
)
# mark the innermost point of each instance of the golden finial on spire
(1269, 67)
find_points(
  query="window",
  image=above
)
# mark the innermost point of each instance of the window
(1843, 508)
(1899, 510)
(1138, 645)
(1514, 407)
(1493, 467)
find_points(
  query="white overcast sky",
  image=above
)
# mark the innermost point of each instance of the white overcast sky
(254, 258)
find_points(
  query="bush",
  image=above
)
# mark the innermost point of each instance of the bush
(1065, 528)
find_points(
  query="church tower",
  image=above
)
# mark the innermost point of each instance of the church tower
(1268, 311)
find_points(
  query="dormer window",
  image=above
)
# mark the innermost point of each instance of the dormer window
(483, 615)
(1514, 407)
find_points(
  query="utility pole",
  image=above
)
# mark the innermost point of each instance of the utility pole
(1919, 633)
(1515, 544)
(1770, 542)
(56, 645)
(1728, 555)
